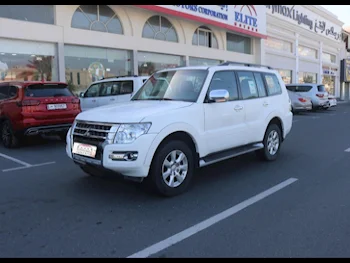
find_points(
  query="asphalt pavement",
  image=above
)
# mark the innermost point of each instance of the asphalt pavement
(297, 206)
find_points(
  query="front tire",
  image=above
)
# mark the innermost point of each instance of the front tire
(172, 168)
(8, 137)
(272, 143)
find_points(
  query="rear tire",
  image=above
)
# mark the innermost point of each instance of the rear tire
(272, 144)
(172, 169)
(8, 137)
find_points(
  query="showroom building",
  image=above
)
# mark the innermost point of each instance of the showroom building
(80, 44)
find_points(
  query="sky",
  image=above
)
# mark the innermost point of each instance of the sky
(342, 11)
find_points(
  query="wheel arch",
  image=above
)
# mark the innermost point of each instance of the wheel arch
(179, 131)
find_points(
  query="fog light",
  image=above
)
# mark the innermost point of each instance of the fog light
(124, 156)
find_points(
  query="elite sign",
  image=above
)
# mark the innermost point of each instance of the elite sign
(246, 19)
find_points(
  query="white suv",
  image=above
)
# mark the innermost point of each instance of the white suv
(181, 119)
(110, 91)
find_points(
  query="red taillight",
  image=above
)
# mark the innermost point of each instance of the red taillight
(320, 95)
(302, 99)
(25, 103)
(76, 101)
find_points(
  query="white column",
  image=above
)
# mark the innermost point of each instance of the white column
(61, 62)
(187, 61)
(320, 71)
(296, 52)
(135, 62)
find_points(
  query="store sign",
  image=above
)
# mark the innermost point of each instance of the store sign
(307, 19)
(345, 70)
(247, 19)
(329, 71)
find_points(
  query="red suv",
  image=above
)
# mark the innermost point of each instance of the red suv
(33, 108)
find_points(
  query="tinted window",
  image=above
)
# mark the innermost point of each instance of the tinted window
(302, 88)
(32, 13)
(321, 88)
(225, 80)
(273, 85)
(93, 91)
(4, 92)
(291, 88)
(116, 88)
(248, 86)
(12, 91)
(260, 84)
(47, 90)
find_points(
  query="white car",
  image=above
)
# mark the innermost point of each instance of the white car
(110, 91)
(197, 117)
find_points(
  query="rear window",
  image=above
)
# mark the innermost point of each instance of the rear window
(321, 88)
(48, 90)
(299, 88)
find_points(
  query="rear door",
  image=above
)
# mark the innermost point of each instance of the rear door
(256, 103)
(126, 90)
(50, 101)
(108, 93)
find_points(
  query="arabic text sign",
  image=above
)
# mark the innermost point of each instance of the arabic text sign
(307, 20)
(248, 19)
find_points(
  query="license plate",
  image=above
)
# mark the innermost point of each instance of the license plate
(84, 149)
(56, 106)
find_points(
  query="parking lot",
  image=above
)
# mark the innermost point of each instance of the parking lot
(297, 206)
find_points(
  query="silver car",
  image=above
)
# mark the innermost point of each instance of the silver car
(299, 102)
(316, 92)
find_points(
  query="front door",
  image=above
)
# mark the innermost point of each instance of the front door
(90, 98)
(225, 125)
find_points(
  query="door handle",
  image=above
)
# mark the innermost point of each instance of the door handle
(265, 104)
(112, 99)
(238, 108)
(93, 100)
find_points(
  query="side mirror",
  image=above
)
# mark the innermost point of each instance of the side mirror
(81, 94)
(220, 95)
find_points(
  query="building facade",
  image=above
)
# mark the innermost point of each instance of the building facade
(80, 44)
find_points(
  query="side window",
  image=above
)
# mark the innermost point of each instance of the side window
(225, 80)
(108, 89)
(273, 85)
(4, 92)
(93, 91)
(248, 86)
(126, 87)
(12, 92)
(260, 84)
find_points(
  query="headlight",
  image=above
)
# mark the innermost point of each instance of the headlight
(127, 133)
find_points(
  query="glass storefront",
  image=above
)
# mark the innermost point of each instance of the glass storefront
(88, 64)
(203, 62)
(307, 77)
(286, 75)
(148, 63)
(329, 83)
(27, 61)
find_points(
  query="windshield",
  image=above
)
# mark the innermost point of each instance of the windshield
(181, 85)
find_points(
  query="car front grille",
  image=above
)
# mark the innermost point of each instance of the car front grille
(96, 132)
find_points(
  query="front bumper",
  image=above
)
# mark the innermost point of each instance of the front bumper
(132, 168)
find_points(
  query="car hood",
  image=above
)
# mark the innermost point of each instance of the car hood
(131, 111)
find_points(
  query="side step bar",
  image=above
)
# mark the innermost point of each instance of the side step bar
(228, 154)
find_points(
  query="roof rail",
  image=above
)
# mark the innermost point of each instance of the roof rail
(244, 64)
(115, 77)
